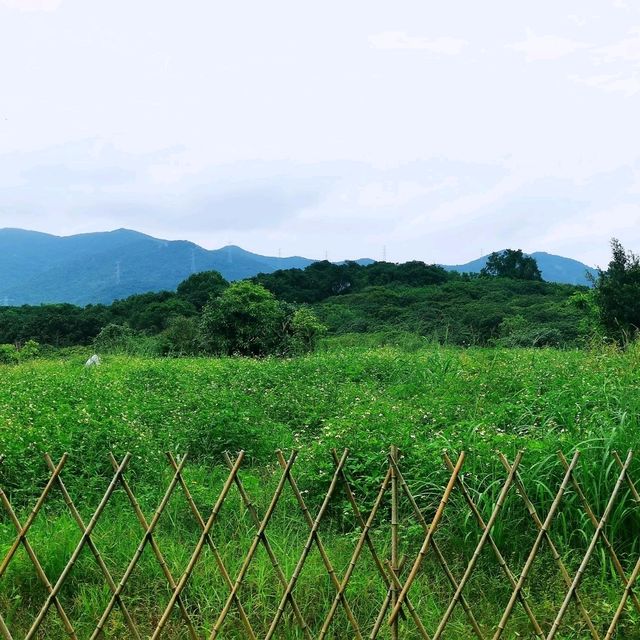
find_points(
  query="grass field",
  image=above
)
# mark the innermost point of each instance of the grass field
(424, 400)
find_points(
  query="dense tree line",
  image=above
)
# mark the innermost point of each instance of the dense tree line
(286, 311)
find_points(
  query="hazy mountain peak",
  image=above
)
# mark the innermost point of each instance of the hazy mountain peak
(100, 267)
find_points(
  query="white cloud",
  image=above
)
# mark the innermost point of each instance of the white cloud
(31, 5)
(393, 194)
(621, 59)
(627, 49)
(400, 40)
(615, 83)
(549, 47)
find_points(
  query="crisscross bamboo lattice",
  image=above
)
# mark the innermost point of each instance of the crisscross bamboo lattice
(398, 614)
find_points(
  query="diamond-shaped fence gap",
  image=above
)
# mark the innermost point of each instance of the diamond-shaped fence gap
(263, 511)
(543, 523)
(250, 534)
(147, 559)
(499, 567)
(204, 540)
(40, 537)
(572, 593)
(21, 592)
(315, 522)
(352, 535)
(177, 531)
(275, 557)
(210, 581)
(204, 596)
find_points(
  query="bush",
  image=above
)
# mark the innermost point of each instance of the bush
(8, 354)
(306, 330)
(245, 320)
(181, 337)
(121, 339)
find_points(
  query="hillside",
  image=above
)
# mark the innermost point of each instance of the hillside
(553, 268)
(101, 267)
(91, 268)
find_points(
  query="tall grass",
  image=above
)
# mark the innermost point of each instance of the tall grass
(424, 399)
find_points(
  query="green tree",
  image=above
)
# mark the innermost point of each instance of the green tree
(200, 287)
(512, 263)
(181, 337)
(115, 338)
(617, 293)
(245, 320)
(8, 354)
(306, 329)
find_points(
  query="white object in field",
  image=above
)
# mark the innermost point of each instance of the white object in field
(93, 361)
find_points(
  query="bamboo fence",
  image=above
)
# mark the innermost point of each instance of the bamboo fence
(393, 509)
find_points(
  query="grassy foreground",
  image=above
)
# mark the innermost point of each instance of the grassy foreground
(427, 400)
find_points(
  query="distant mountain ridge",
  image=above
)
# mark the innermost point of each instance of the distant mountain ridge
(553, 268)
(100, 267)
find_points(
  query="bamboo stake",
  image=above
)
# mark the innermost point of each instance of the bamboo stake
(412, 611)
(156, 551)
(552, 548)
(214, 549)
(436, 548)
(425, 545)
(499, 557)
(304, 627)
(76, 553)
(594, 521)
(483, 539)
(394, 536)
(361, 523)
(6, 634)
(339, 472)
(385, 605)
(42, 576)
(372, 549)
(4, 630)
(198, 549)
(630, 483)
(254, 546)
(32, 516)
(590, 549)
(534, 549)
(313, 536)
(623, 601)
(354, 557)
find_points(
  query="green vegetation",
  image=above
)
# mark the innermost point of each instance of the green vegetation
(511, 263)
(616, 294)
(339, 356)
(424, 399)
(207, 315)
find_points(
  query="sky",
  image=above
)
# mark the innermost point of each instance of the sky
(412, 129)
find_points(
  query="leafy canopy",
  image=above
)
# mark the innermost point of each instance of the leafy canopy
(245, 319)
(512, 263)
(617, 293)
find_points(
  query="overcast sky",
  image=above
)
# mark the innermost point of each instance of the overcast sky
(437, 129)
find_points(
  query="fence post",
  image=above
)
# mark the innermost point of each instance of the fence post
(394, 536)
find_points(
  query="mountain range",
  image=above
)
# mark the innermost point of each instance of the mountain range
(100, 267)
(553, 268)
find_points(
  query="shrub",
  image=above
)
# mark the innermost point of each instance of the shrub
(245, 320)
(8, 354)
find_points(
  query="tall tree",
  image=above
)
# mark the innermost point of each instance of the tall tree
(617, 293)
(245, 319)
(512, 263)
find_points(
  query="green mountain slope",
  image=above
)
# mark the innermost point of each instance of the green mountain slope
(553, 268)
